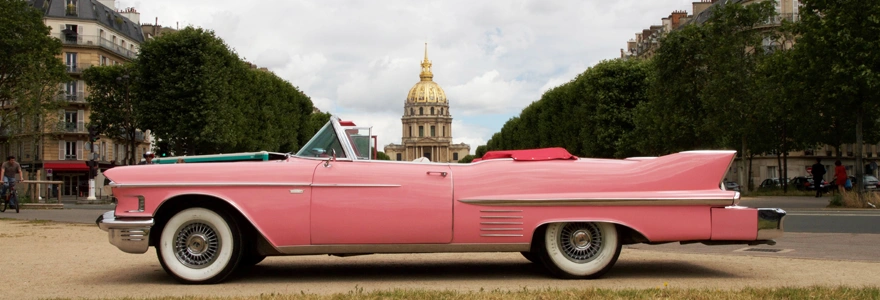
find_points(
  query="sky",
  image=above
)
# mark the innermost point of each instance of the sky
(359, 59)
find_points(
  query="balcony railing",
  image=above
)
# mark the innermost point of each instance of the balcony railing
(72, 127)
(93, 40)
(77, 68)
(777, 19)
(72, 97)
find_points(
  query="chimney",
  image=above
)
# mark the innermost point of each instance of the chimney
(131, 14)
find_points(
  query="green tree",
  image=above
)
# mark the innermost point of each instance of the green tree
(111, 99)
(382, 156)
(191, 92)
(30, 73)
(467, 159)
(481, 150)
(673, 119)
(837, 54)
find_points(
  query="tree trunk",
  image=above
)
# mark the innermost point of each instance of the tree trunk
(860, 171)
(744, 184)
(132, 134)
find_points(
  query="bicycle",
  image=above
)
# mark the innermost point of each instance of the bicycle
(11, 198)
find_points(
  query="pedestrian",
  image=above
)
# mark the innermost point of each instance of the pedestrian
(8, 170)
(180, 161)
(818, 171)
(840, 177)
(148, 158)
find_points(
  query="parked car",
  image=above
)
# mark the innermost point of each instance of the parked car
(871, 183)
(731, 186)
(771, 183)
(807, 184)
(572, 215)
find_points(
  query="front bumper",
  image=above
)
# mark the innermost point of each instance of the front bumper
(131, 235)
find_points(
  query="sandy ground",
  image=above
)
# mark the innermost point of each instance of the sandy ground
(48, 260)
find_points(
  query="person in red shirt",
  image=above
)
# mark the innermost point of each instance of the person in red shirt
(840, 177)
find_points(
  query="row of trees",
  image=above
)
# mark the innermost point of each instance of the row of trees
(732, 82)
(198, 96)
(30, 74)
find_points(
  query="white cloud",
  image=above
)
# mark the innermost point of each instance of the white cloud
(361, 58)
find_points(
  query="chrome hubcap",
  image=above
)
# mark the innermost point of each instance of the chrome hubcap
(580, 242)
(196, 245)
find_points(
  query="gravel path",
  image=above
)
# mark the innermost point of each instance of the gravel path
(75, 260)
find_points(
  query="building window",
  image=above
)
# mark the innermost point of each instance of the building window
(433, 132)
(441, 111)
(71, 7)
(70, 59)
(421, 131)
(70, 90)
(454, 155)
(70, 150)
(399, 157)
(410, 132)
(432, 111)
(412, 111)
(101, 33)
(443, 132)
(772, 173)
(421, 111)
(114, 40)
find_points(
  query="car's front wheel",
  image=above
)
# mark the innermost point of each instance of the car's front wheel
(199, 245)
(580, 250)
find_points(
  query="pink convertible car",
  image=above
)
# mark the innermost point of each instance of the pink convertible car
(569, 214)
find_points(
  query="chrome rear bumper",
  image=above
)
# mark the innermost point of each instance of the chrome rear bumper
(770, 223)
(131, 235)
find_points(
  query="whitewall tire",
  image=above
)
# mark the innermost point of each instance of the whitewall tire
(580, 250)
(199, 245)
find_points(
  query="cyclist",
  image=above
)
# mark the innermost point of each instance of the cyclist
(8, 170)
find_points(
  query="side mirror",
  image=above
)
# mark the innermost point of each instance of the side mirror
(332, 158)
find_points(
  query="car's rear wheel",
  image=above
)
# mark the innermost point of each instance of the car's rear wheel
(199, 245)
(582, 250)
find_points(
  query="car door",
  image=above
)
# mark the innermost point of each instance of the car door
(372, 202)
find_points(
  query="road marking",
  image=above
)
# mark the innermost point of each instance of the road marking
(834, 214)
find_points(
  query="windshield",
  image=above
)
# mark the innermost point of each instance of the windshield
(322, 143)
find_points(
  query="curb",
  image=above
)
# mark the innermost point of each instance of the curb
(42, 206)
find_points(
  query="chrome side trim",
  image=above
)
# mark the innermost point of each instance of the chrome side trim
(501, 217)
(129, 235)
(212, 184)
(501, 229)
(770, 223)
(500, 210)
(500, 235)
(352, 185)
(597, 202)
(403, 248)
(501, 223)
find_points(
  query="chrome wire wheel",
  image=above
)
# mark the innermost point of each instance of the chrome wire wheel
(200, 245)
(580, 242)
(197, 245)
(579, 249)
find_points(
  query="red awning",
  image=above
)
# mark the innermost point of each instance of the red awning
(66, 166)
(530, 154)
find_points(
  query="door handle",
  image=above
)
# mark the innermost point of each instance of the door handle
(437, 173)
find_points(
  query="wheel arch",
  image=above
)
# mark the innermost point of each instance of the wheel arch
(626, 233)
(177, 203)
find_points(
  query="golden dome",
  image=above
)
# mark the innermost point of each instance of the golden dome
(426, 90)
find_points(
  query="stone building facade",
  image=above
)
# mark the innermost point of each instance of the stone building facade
(427, 123)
